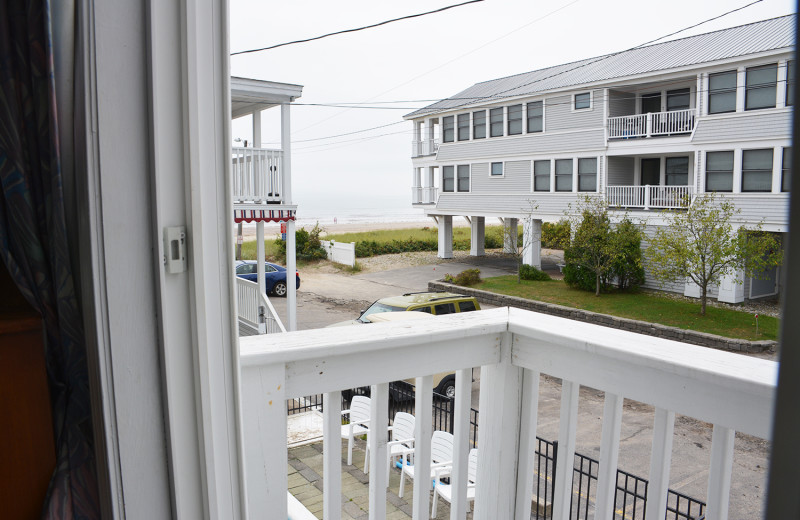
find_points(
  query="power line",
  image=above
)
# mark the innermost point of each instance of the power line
(357, 28)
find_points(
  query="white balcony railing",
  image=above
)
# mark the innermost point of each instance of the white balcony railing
(652, 124)
(513, 348)
(257, 175)
(255, 308)
(424, 147)
(650, 197)
(424, 194)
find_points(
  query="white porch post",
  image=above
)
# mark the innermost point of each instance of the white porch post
(510, 235)
(691, 289)
(477, 236)
(532, 242)
(291, 258)
(445, 236)
(262, 327)
(731, 288)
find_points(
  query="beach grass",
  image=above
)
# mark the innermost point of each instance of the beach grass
(642, 306)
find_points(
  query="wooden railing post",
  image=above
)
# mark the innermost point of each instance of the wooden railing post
(646, 196)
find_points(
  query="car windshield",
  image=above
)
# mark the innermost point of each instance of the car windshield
(378, 307)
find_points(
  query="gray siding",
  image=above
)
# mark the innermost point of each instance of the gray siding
(621, 103)
(764, 124)
(502, 147)
(516, 178)
(769, 208)
(550, 206)
(559, 115)
(620, 171)
(676, 286)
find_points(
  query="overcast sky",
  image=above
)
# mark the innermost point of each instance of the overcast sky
(424, 58)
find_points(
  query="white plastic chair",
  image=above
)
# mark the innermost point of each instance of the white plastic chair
(402, 443)
(359, 423)
(446, 490)
(441, 460)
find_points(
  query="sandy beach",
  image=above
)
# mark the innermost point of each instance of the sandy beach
(249, 230)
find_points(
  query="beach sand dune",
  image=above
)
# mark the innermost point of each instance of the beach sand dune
(249, 230)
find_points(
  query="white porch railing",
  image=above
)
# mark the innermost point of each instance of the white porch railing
(255, 308)
(257, 175)
(424, 194)
(650, 197)
(513, 348)
(652, 124)
(424, 147)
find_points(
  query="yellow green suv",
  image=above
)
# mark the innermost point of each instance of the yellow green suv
(436, 303)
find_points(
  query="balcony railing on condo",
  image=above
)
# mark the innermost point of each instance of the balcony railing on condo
(255, 309)
(652, 124)
(513, 348)
(424, 194)
(424, 147)
(257, 175)
(650, 197)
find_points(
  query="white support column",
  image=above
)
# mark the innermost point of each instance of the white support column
(568, 426)
(377, 439)
(719, 478)
(510, 235)
(291, 253)
(257, 129)
(477, 236)
(737, 170)
(691, 289)
(529, 412)
(780, 87)
(445, 236)
(262, 327)
(498, 455)
(423, 430)
(741, 79)
(731, 288)
(777, 163)
(332, 456)
(609, 456)
(532, 242)
(660, 458)
(461, 446)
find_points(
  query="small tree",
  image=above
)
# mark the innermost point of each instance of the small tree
(627, 267)
(703, 244)
(522, 243)
(593, 248)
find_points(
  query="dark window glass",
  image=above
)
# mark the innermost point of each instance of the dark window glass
(463, 127)
(722, 92)
(677, 171)
(448, 178)
(535, 117)
(719, 171)
(515, 120)
(541, 175)
(757, 170)
(479, 124)
(678, 99)
(424, 309)
(466, 306)
(445, 308)
(463, 177)
(760, 85)
(497, 168)
(786, 169)
(448, 128)
(496, 122)
(790, 72)
(564, 175)
(583, 100)
(587, 174)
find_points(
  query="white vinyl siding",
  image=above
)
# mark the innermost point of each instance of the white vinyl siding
(477, 203)
(752, 125)
(523, 145)
(560, 116)
(516, 178)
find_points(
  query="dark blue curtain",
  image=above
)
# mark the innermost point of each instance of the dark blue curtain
(33, 244)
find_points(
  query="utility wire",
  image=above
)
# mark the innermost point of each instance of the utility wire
(357, 28)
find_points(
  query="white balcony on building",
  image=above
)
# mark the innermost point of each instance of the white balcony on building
(658, 109)
(649, 197)
(652, 124)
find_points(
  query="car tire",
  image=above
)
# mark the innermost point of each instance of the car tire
(447, 387)
(279, 289)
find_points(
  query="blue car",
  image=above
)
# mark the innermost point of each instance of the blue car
(274, 276)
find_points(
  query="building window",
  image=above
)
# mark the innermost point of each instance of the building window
(496, 122)
(448, 179)
(564, 175)
(463, 177)
(463, 127)
(677, 171)
(515, 120)
(587, 174)
(479, 124)
(583, 101)
(535, 117)
(678, 99)
(497, 169)
(757, 170)
(541, 175)
(722, 92)
(448, 129)
(786, 169)
(761, 87)
(719, 171)
(790, 71)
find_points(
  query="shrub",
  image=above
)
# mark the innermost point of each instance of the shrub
(556, 235)
(529, 272)
(307, 245)
(465, 278)
(627, 267)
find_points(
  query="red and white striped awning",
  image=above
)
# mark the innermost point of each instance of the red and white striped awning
(262, 215)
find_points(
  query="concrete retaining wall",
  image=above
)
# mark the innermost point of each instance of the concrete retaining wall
(651, 329)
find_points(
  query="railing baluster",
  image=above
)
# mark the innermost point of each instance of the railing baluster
(461, 447)
(377, 438)
(332, 456)
(527, 443)
(719, 479)
(609, 455)
(659, 464)
(423, 430)
(566, 449)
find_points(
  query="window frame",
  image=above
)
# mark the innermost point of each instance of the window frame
(760, 86)
(458, 170)
(667, 173)
(460, 127)
(529, 118)
(786, 171)
(564, 175)
(452, 178)
(476, 125)
(595, 175)
(575, 107)
(754, 170)
(707, 171)
(501, 123)
(502, 170)
(791, 67)
(516, 121)
(549, 175)
(723, 91)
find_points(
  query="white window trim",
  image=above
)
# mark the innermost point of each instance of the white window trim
(533, 175)
(491, 176)
(591, 101)
(596, 174)
(455, 184)
(455, 178)
(525, 117)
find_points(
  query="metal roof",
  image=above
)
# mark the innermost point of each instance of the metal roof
(756, 37)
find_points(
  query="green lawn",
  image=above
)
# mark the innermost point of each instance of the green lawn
(644, 306)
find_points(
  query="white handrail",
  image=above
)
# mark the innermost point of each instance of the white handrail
(513, 347)
(650, 197)
(424, 194)
(255, 309)
(652, 124)
(257, 174)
